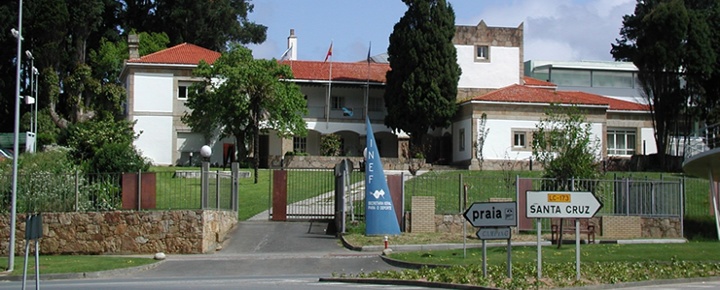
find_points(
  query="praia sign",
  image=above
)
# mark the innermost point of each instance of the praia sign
(492, 214)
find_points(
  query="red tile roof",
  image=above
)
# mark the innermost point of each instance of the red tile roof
(184, 53)
(526, 94)
(341, 71)
(533, 82)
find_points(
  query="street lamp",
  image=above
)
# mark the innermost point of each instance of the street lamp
(13, 199)
(31, 100)
(34, 129)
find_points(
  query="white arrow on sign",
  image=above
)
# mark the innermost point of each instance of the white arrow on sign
(492, 214)
(561, 204)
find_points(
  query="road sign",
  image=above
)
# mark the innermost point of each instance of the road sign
(492, 214)
(494, 233)
(561, 204)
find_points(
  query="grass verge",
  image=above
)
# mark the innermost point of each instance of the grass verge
(74, 264)
(600, 264)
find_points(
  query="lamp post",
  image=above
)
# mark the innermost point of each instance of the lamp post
(16, 147)
(205, 152)
(31, 98)
(34, 129)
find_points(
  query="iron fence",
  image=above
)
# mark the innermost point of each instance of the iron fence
(83, 192)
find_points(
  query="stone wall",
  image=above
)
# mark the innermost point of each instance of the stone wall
(125, 232)
(611, 227)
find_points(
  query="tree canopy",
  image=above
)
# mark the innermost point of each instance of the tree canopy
(421, 88)
(242, 97)
(564, 146)
(674, 45)
(79, 47)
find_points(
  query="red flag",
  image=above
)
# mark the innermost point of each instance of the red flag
(329, 54)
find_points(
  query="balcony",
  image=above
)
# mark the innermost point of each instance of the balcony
(702, 156)
(345, 114)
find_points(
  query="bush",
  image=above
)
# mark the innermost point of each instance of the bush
(117, 158)
(330, 145)
(48, 182)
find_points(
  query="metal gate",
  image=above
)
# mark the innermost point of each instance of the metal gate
(309, 194)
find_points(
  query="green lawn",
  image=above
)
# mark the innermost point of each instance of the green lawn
(73, 264)
(691, 251)
(600, 264)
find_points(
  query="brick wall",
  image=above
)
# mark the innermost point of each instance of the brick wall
(125, 232)
(621, 227)
(422, 219)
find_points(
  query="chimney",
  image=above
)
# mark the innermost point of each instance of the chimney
(292, 45)
(133, 46)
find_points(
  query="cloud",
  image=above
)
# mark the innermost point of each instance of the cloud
(561, 30)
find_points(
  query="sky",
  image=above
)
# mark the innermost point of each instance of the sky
(559, 30)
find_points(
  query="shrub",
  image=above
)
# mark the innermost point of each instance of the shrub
(330, 145)
(117, 158)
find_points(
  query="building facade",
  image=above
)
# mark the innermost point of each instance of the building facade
(340, 95)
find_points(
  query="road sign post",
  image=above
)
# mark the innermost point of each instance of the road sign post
(561, 204)
(494, 220)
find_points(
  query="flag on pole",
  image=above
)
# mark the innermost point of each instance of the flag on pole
(369, 58)
(329, 53)
(380, 217)
(287, 54)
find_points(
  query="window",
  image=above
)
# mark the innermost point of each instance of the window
(620, 141)
(519, 140)
(300, 144)
(337, 103)
(375, 104)
(183, 89)
(482, 53)
(461, 139)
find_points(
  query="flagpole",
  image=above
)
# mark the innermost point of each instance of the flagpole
(329, 97)
(367, 83)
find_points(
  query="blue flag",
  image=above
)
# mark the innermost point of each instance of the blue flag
(380, 217)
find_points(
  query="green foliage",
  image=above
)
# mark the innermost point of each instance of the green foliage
(118, 158)
(105, 146)
(252, 91)
(85, 139)
(564, 146)
(107, 61)
(674, 45)
(46, 182)
(330, 145)
(208, 24)
(422, 82)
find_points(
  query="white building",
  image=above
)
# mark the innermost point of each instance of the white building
(341, 94)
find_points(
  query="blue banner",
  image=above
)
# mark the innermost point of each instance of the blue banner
(380, 217)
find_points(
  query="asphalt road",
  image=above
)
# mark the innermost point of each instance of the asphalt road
(259, 255)
(269, 256)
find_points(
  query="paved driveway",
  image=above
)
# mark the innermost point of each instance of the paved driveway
(274, 249)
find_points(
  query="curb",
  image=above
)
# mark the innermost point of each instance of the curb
(405, 283)
(82, 275)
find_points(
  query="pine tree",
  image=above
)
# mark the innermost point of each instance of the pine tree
(422, 83)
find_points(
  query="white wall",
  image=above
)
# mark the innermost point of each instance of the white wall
(502, 70)
(189, 142)
(467, 153)
(498, 142)
(153, 92)
(155, 141)
(647, 136)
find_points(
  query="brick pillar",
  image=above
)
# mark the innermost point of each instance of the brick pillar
(279, 202)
